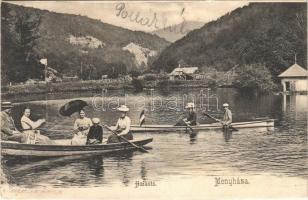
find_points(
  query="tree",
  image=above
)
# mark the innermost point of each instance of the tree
(20, 35)
(254, 78)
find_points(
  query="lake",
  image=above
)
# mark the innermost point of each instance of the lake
(174, 156)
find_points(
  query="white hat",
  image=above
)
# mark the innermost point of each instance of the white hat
(123, 108)
(225, 105)
(95, 120)
(190, 105)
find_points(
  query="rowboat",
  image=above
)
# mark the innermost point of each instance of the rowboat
(266, 123)
(9, 148)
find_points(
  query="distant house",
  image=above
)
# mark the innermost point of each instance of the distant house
(32, 81)
(53, 75)
(294, 79)
(104, 76)
(183, 73)
(70, 78)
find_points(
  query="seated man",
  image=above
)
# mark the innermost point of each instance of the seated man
(95, 135)
(191, 116)
(8, 128)
(227, 118)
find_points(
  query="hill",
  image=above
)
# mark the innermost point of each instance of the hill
(73, 45)
(266, 33)
(176, 32)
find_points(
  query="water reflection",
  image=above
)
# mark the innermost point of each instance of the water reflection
(193, 138)
(227, 133)
(295, 103)
(96, 166)
(143, 171)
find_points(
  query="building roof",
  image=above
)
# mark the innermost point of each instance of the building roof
(184, 70)
(294, 71)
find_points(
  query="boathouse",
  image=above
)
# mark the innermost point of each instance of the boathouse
(294, 79)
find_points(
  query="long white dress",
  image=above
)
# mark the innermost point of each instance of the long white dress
(33, 136)
(80, 138)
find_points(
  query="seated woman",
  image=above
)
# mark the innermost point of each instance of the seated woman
(95, 135)
(33, 136)
(81, 127)
(122, 127)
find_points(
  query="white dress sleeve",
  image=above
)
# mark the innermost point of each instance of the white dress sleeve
(27, 123)
(127, 128)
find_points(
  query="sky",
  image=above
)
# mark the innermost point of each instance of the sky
(154, 15)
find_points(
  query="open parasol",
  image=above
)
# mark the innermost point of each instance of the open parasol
(71, 107)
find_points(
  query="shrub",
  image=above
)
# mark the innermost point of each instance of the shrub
(150, 77)
(255, 78)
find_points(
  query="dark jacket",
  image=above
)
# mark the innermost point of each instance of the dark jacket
(95, 132)
(192, 118)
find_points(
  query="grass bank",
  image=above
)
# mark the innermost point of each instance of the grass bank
(98, 85)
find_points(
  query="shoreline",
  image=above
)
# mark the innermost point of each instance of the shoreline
(98, 85)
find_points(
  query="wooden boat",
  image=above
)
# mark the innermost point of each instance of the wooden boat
(9, 148)
(269, 123)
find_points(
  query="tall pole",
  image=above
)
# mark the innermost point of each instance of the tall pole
(46, 73)
(295, 59)
(81, 70)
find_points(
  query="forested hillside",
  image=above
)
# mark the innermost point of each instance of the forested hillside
(69, 42)
(265, 33)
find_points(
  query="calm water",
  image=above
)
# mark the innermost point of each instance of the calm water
(281, 152)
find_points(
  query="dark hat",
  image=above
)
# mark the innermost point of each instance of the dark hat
(6, 105)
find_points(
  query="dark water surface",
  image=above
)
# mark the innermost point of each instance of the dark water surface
(281, 152)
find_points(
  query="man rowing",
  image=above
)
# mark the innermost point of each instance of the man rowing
(191, 116)
(227, 117)
(122, 128)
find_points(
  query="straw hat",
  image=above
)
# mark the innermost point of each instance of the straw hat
(190, 105)
(123, 108)
(6, 105)
(95, 120)
(225, 105)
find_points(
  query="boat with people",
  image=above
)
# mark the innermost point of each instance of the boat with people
(262, 123)
(63, 148)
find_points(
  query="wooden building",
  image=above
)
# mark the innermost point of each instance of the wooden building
(294, 79)
(183, 73)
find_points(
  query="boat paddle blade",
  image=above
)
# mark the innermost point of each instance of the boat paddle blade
(71, 107)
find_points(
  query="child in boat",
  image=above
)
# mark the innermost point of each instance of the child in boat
(81, 126)
(95, 135)
(122, 127)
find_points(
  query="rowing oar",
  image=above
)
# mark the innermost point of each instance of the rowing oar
(126, 140)
(188, 126)
(217, 120)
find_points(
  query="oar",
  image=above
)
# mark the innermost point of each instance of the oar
(190, 128)
(126, 140)
(231, 127)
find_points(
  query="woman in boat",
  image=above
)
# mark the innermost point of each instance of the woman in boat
(191, 116)
(227, 118)
(122, 128)
(81, 129)
(29, 129)
(95, 135)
